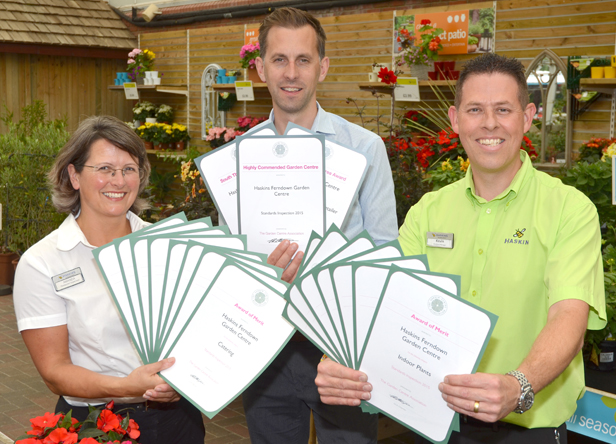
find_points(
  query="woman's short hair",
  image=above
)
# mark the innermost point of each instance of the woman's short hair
(77, 151)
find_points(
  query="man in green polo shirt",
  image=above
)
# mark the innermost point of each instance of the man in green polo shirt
(528, 249)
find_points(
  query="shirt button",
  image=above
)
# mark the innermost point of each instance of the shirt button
(480, 251)
(488, 211)
(474, 293)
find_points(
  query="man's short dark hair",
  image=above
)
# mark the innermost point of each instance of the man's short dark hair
(291, 18)
(491, 63)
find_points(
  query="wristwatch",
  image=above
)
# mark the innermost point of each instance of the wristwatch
(527, 396)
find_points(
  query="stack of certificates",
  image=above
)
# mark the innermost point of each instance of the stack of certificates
(191, 291)
(272, 187)
(375, 310)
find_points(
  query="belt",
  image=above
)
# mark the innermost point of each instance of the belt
(148, 405)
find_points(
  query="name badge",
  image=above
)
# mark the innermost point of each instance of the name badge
(439, 240)
(67, 279)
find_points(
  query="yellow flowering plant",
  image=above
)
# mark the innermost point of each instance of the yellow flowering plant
(449, 171)
(179, 133)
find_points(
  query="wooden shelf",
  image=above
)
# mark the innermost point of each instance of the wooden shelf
(169, 89)
(231, 86)
(606, 86)
(382, 87)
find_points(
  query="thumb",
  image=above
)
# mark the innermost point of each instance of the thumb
(161, 365)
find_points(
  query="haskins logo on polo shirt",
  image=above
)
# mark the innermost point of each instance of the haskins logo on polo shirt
(517, 237)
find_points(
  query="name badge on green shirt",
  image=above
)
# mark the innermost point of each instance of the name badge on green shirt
(439, 240)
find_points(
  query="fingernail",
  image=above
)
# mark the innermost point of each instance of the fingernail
(440, 386)
(356, 402)
(363, 378)
(294, 246)
(147, 395)
(285, 242)
(365, 396)
(446, 380)
(367, 388)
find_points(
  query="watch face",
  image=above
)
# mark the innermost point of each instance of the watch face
(528, 400)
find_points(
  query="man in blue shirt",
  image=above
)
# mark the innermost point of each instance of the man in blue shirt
(279, 402)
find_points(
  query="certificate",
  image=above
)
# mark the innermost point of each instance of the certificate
(420, 334)
(281, 190)
(345, 170)
(240, 331)
(218, 169)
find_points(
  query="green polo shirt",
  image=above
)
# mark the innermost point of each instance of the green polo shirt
(535, 244)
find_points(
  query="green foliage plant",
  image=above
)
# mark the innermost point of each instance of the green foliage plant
(27, 152)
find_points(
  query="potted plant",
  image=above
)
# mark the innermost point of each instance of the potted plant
(422, 49)
(218, 136)
(138, 63)
(28, 150)
(472, 44)
(161, 136)
(164, 114)
(147, 132)
(179, 136)
(249, 54)
(142, 111)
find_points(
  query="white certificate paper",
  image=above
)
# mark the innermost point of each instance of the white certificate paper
(218, 170)
(281, 190)
(421, 334)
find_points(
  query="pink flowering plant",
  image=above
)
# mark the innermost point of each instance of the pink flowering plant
(249, 53)
(245, 123)
(218, 136)
(139, 62)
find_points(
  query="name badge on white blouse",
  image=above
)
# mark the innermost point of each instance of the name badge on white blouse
(67, 279)
(439, 240)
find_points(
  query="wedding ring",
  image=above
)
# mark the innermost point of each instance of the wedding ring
(476, 409)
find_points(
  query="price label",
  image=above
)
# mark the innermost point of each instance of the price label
(130, 91)
(407, 90)
(244, 91)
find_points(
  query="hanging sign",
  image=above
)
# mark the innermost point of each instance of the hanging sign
(465, 31)
(130, 91)
(244, 91)
(251, 36)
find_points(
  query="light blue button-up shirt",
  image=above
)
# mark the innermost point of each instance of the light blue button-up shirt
(375, 208)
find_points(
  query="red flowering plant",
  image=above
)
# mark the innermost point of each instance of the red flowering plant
(245, 123)
(592, 150)
(101, 426)
(388, 76)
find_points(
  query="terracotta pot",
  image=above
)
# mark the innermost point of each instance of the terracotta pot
(179, 146)
(253, 75)
(15, 262)
(159, 146)
(7, 270)
(472, 48)
(148, 145)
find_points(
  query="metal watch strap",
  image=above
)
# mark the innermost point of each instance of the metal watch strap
(525, 390)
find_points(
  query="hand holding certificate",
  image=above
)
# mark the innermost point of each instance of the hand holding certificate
(405, 327)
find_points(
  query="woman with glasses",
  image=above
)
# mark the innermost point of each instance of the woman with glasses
(65, 312)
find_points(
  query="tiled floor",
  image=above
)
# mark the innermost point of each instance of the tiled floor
(23, 395)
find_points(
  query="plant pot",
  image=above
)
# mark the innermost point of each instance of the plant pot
(150, 120)
(15, 262)
(7, 270)
(148, 145)
(179, 146)
(159, 146)
(137, 123)
(253, 75)
(421, 71)
(607, 363)
(471, 48)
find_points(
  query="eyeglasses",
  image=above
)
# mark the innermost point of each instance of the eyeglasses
(129, 172)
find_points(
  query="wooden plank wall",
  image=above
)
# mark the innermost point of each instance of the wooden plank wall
(74, 87)
(523, 29)
(568, 27)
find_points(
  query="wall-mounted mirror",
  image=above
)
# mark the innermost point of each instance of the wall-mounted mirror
(551, 131)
